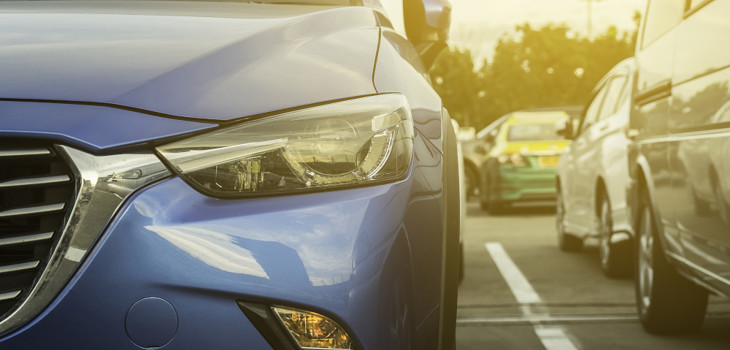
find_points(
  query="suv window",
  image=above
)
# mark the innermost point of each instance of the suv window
(613, 92)
(625, 92)
(661, 16)
(693, 4)
(592, 112)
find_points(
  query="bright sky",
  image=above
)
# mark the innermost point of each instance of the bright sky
(478, 24)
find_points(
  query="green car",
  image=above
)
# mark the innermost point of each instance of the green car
(521, 165)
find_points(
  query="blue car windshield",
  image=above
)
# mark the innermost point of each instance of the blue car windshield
(531, 132)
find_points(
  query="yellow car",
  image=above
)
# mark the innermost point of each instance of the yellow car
(521, 165)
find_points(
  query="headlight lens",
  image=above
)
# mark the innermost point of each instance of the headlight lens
(355, 142)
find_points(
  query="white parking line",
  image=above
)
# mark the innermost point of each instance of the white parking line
(546, 320)
(552, 338)
(517, 282)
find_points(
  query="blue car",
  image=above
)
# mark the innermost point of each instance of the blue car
(225, 175)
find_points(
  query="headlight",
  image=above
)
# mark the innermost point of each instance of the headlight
(512, 158)
(352, 143)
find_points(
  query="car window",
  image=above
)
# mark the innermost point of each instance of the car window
(491, 128)
(694, 4)
(613, 92)
(531, 132)
(661, 16)
(591, 114)
(625, 92)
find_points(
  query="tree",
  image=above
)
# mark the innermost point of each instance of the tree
(531, 68)
(457, 83)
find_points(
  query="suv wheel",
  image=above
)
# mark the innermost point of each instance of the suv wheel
(566, 242)
(666, 301)
(615, 259)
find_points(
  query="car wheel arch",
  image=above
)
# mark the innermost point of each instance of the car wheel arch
(644, 186)
(399, 272)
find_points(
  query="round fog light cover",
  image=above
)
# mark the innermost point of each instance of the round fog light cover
(313, 331)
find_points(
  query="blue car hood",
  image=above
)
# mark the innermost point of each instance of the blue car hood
(215, 61)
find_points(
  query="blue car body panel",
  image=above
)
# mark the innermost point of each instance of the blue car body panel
(206, 60)
(94, 128)
(325, 252)
(114, 81)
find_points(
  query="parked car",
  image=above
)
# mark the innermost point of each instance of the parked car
(678, 162)
(219, 175)
(593, 175)
(476, 152)
(521, 164)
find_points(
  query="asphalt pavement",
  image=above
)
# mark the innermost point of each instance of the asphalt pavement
(521, 292)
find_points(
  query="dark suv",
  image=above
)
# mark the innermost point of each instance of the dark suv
(679, 161)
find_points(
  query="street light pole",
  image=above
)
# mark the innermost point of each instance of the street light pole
(590, 18)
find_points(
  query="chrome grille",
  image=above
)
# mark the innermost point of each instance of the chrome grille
(36, 188)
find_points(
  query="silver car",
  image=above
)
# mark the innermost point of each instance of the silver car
(593, 175)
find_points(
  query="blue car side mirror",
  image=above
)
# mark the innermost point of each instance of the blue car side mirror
(427, 26)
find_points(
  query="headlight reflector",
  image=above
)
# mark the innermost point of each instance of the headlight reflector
(350, 143)
(313, 331)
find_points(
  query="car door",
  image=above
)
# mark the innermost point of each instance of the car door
(700, 124)
(590, 159)
(651, 109)
(575, 182)
(613, 145)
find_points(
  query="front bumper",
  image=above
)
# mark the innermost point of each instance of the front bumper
(525, 184)
(328, 252)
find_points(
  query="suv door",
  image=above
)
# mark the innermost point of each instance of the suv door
(653, 89)
(700, 122)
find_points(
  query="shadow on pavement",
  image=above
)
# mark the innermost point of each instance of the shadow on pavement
(473, 210)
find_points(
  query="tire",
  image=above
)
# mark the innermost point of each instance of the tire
(484, 205)
(566, 241)
(498, 208)
(494, 207)
(461, 262)
(484, 192)
(471, 182)
(615, 259)
(666, 301)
